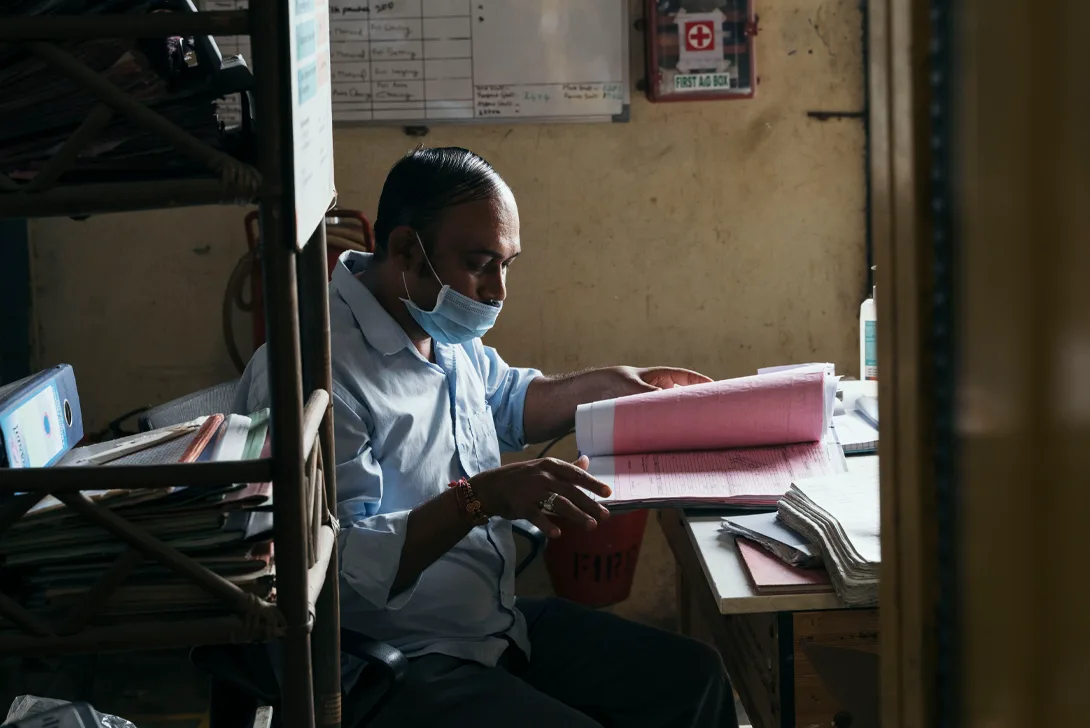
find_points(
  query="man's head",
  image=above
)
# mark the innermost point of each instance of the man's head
(447, 209)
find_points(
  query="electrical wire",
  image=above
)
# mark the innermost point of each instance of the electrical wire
(547, 448)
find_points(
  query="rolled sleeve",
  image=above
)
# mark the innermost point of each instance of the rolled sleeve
(370, 544)
(505, 392)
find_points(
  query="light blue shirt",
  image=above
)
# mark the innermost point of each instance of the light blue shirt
(405, 428)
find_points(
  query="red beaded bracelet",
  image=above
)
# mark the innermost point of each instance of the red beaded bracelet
(468, 505)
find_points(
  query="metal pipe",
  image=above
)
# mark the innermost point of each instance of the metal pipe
(273, 109)
(313, 415)
(176, 561)
(117, 25)
(63, 159)
(314, 281)
(133, 477)
(133, 636)
(232, 173)
(101, 198)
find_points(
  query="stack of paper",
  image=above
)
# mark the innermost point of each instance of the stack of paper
(41, 108)
(769, 575)
(766, 530)
(840, 514)
(737, 442)
(52, 556)
(856, 421)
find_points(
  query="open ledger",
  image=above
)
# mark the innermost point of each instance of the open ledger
(737, 442)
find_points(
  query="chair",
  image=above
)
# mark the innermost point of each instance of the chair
(241, 678)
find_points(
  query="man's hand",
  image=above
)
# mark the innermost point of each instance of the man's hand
(517, 491)
(634, 381)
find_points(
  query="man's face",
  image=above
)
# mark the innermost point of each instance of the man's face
(474, 244)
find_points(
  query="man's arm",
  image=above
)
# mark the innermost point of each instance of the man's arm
(551, 401)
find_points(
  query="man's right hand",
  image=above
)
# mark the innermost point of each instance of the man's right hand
(517, 491)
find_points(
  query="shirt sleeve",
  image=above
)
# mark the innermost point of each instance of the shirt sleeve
(370, 544)
(505, 392)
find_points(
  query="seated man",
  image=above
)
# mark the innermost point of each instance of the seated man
(421, 411)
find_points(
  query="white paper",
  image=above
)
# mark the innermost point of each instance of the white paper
(312, 116)
(761, 474)
(853, 429)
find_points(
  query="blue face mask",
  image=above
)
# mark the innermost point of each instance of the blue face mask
(455, 319)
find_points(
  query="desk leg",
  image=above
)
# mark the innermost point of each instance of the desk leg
(684, 603)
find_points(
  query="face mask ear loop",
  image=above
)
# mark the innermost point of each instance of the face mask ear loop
(426, 259)
(406, 285)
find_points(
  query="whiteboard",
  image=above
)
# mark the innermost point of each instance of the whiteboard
(420, 62)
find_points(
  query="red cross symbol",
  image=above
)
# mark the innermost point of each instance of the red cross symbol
(699, 35)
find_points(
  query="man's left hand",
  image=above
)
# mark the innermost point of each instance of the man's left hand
(631, 380)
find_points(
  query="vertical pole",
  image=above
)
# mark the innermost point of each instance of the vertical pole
(273, 107)
(314, 292)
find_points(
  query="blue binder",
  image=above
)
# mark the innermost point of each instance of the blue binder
(40, 418)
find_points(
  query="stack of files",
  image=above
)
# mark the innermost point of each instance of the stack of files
(840, 515)
(737, 442)
(51, 556)
(856, 426)
(41, 107)
(768, 575)
(769, 532)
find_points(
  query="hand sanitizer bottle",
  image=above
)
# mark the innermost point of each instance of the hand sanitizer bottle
(868, 338)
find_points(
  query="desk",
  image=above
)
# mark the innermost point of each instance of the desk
(795, 659)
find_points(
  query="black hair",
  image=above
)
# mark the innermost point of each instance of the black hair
(424, 183)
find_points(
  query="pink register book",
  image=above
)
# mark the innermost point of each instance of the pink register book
(769, 575)
(738, 442)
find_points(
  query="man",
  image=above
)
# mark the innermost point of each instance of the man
(421, 411)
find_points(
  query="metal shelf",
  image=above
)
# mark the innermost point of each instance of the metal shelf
(116, 25)
(167, 634)
(105, 197)
(298, 351)
(134, 477)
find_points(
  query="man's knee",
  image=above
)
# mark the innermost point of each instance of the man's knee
(702, 666)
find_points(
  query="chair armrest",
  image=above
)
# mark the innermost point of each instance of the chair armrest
(535, 536)
(388, 660)
(370, 695)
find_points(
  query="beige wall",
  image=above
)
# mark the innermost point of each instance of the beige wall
(720, 236)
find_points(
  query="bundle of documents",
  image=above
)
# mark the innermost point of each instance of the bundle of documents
(769, 532)
(41, 107)
(52, 556)
(856, 427)
(737, 442)
(840, 515)
(769, 575)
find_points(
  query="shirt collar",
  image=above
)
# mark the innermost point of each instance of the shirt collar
(377, 325)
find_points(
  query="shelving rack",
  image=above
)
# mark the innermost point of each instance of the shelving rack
(301, 466)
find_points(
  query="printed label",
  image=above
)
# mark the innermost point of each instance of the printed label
(870, 350)
(701, 81)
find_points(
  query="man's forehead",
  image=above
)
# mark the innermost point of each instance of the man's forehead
(483, 225)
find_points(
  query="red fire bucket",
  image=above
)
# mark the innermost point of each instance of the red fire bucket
(596, 568)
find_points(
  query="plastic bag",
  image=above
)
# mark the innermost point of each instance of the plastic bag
(27, 706)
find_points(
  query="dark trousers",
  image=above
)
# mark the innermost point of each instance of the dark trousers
(587, 669)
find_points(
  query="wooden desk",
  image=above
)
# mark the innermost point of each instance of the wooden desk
(799, 660)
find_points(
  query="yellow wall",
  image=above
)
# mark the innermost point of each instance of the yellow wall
(720, 236)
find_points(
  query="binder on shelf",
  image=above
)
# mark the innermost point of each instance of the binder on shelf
(40, 418)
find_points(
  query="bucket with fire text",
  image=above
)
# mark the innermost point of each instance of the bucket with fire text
(596, 568)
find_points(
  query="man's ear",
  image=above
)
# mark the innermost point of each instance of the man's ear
(403, 248)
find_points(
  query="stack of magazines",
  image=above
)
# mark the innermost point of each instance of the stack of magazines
(52, 556)
(180, 78)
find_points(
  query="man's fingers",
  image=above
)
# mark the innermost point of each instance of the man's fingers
(568, 473)
(582, 501)
(563, 508)
(539, 519)
(582, 463)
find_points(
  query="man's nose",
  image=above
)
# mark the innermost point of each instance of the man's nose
(495, 289)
